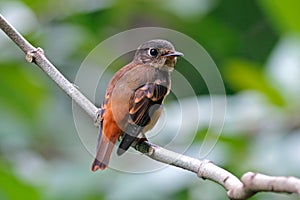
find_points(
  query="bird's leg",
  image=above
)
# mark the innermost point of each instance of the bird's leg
(139, 140)
(142, 145)
(143, 138)
(121, 137)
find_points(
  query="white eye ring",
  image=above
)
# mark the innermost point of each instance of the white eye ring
(152, 52)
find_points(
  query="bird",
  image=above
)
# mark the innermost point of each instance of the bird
(133, 99)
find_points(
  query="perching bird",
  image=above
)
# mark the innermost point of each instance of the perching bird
(133, 98)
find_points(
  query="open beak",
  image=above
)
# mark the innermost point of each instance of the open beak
(175, 54)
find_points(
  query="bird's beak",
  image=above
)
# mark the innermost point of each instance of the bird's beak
(175, 54)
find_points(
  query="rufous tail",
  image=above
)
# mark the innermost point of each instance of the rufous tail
(104, 150)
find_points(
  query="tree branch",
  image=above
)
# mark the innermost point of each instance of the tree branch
(36, 55)
(250, 182)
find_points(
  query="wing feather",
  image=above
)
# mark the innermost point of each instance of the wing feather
(145, 100)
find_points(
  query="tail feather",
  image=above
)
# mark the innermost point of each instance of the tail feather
(104, 151)
(125, 144)
(132, 131)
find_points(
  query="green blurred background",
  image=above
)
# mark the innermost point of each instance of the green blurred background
(255, 44)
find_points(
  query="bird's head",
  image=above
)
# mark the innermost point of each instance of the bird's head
(157, 53)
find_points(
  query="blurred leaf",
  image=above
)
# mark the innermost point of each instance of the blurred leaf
(181, 194)
(244, 75)
(238, 141)
(253, 35)
(18, 91)
(284, 15)
(13, 188)
(207, 32)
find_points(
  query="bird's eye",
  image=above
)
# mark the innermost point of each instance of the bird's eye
(153, 52)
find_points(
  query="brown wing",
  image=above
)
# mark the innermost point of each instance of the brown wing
(144, 102)
(145, 99)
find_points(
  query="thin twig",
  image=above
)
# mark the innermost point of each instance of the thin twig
(203, 168)
(15, 36)
(36, 55)
(236, 189)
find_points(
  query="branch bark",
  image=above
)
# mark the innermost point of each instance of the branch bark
(250, 182)
(37, 56)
